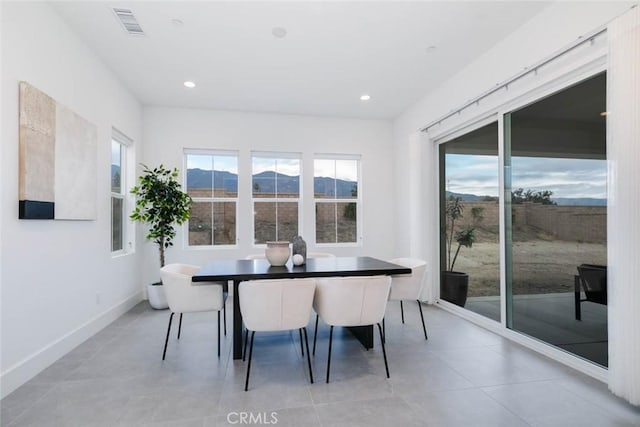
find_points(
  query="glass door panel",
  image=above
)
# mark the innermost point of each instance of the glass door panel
(469, 218)
(555, 200)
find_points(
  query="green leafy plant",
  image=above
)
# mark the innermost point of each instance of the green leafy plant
(160, 203)
(520, 196)
(454, 212)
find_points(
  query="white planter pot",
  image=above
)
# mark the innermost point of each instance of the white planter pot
(157, 297)
(277, 253)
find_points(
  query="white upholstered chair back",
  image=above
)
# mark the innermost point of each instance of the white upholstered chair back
(276, 305)
(182, 296)
(320, 255)
(408, 286)
(352, 301)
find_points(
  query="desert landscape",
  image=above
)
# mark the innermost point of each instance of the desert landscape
(544, 258)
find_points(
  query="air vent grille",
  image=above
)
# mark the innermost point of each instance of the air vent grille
(128, 21)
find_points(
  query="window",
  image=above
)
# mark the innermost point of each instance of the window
(212, 183)
(276, 196)
(337, 199)
(119, 162)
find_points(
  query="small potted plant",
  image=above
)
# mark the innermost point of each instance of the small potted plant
(454, 285)
(160, 203)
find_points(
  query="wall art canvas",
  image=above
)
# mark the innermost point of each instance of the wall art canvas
(58, 150)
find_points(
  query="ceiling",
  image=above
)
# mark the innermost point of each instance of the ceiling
(567, 124)
(333, 52)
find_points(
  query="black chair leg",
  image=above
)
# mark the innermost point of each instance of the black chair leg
(329, 358)
(384, 352)
(244, 352)
(224, 312)
(315, 336)
(301, 347)
(306, 343)
(167, 339)
(218, 334)
(402, 312)
(424, 328)
(577, 296)
(384, 330)
(246, 383)
(180, 326)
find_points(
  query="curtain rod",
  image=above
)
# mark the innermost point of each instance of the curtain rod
(527, 70)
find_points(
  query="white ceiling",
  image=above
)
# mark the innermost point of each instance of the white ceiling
(333, 51)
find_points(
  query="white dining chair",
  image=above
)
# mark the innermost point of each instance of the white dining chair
(407, 287)
(315, 255)
(351, 301)
(262, 256)
(276, 305)
(183, 297)
(311, 255)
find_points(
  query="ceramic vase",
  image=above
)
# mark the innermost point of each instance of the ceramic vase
(299, 247)
(277, 253)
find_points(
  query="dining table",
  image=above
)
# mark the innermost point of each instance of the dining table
(238, 271)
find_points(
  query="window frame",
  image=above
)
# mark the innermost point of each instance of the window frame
(126, 160)
(275, 155)
(335, 199)
(212, 199)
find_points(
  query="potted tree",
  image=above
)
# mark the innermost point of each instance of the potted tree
(454, 285)
(160, 203)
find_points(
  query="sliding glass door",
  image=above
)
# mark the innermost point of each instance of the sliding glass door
(554, 201)
(555, 183)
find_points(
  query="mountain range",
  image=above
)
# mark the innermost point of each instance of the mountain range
(265, 182)
(198, 178)
(560, 201)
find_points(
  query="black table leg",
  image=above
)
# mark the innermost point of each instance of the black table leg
(364, 334)
(237, 323)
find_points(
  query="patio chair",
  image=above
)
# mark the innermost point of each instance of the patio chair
(592, 280)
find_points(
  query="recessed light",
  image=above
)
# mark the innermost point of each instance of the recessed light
(177, 22)
(365, 97)
(431, 49)
(604, 114)
(279, 32)
(189, 84)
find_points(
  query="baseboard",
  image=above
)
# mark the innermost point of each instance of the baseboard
(23, 371)
(561, 356)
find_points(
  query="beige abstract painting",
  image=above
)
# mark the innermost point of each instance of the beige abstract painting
(58, 150)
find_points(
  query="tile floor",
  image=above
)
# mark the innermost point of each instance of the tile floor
(462, 376)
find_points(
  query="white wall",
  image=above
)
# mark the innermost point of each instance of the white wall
(168, 131)
(555, 27)
(59, 282)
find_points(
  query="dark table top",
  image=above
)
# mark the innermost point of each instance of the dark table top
(220, 270)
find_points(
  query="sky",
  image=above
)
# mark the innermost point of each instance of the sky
(573, 178)
(220, 163)
(115, 153)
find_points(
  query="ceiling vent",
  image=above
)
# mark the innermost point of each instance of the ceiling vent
(128, 21)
